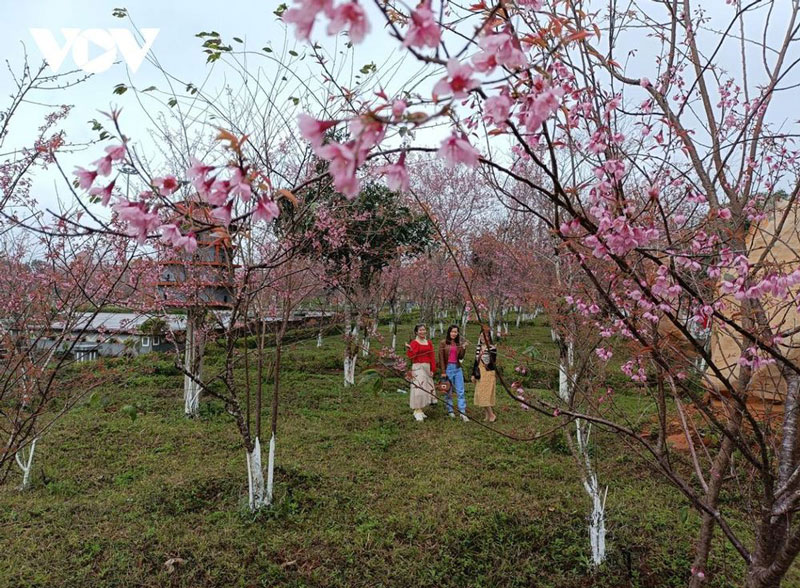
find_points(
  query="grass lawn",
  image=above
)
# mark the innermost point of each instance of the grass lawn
(365, 496)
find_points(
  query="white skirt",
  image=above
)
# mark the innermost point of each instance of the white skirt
(422, 391)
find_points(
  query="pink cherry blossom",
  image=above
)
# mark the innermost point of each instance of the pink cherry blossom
(198, 168)
(103, 193)
(396, 174)
(166, 185)
(368, 132)
(139, 219)
(458, 81)
(85, 177)
(103, 165)
(398, 108)
(240, 185)
(499, 49)
(343, 164)
(266, 210)
(304, 13)
(496, 109)
(423, 31)
(216, 192)
(116, 152)
(313, 130)
(455, 150)
(349, 15)
(223, 213)
(540, 105)
(169, 233)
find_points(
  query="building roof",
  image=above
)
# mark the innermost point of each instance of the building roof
(124, 322)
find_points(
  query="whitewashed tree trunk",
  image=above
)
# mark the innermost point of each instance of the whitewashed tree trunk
(365, 346)
(271, 469)
(499, 331)
(505, 328)
(193, 364)
(24, 458)
(432, 334)
(350, 371)
(597, 521)
(394, 338)
(350, 352)
(319, 338)
(257, 492)
(519, 318)
(441, 327)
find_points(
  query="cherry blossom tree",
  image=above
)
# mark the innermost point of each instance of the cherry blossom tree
(656, 166)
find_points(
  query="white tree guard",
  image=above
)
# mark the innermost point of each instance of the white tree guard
(257, 492)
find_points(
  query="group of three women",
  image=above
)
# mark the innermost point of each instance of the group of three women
(450, 356)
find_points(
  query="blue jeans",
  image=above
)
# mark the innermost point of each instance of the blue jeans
(456, 377)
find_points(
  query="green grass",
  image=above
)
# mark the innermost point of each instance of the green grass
(365, 496)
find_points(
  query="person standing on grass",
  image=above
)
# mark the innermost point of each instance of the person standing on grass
(451, 354)
(484, 376)
(423, 365)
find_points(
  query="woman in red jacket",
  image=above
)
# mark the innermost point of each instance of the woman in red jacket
(423, 366)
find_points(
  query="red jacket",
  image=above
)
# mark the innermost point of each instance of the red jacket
(422, 354)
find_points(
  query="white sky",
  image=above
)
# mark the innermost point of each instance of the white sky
(180, 53)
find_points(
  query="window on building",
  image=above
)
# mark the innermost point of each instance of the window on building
(145, 341)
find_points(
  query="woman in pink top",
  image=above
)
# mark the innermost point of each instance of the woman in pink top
(451, 353)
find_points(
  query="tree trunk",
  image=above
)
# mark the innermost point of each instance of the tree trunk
(193, 364)
(24, 458)
(350, 349)
(597, 519)
(319, 338)
(774, 548)
(718, 469)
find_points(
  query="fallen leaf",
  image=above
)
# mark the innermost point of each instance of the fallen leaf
(172, 562)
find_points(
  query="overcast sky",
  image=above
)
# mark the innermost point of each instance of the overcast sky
(177, 49)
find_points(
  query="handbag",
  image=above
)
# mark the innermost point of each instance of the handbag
(443, 386)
